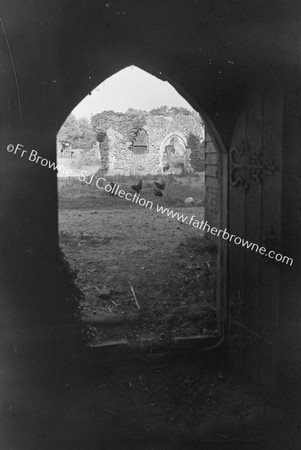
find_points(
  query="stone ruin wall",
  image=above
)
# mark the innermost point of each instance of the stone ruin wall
(122, 161)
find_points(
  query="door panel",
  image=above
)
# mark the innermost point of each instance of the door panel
(255, 210)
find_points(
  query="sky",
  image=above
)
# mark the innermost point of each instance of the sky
(130, 88)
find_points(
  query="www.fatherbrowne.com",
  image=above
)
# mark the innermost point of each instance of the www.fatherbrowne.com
(203, 225)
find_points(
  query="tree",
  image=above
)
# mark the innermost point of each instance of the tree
(172, 111)
(69, 130)
(197, 152)
(86, 137)
(78, 133)
(180, 110)
(161, 111)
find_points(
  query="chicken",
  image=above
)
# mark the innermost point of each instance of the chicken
(137, 187)
(158, 192)
(160, 186)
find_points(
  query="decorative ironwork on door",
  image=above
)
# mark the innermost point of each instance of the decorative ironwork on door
(246, 166)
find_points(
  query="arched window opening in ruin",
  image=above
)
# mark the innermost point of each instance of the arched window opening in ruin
(176, 155)
(131, 212)
(140, 144)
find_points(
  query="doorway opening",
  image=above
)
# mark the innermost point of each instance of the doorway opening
(141, 182)
(132, 206)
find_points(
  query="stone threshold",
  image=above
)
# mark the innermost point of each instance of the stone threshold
(152, 345)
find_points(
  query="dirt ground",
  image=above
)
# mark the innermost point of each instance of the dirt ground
(129, 400)
(135, 262)
(171, 401)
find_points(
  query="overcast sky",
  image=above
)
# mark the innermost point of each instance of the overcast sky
(130, 88)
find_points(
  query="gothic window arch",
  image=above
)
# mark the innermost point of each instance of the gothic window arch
(140, 144)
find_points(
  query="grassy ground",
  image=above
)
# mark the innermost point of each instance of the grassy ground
(75, 194)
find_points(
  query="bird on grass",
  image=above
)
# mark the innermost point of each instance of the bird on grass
(160, 186)
(158, 192)
(137, 187)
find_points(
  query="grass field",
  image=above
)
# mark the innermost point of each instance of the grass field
(77, 194)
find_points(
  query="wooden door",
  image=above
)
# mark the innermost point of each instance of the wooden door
(255, 161)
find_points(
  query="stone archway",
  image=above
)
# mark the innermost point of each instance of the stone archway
(175, 145)
(174, 153)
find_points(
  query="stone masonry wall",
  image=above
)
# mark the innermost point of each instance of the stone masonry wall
(159, 129)
(122, 161)
(212, 183)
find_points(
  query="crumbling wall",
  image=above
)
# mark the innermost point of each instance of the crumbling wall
(122, 160)
(160, 129)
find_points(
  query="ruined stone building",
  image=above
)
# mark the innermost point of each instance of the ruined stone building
(160, 147)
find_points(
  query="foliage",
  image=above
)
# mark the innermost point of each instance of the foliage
(77, 132)
(166, 111)
(197, 152)
(86, 139)
(127, 124)
(87, 158)
(104, 151)
(101, 136)
(69, 130)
